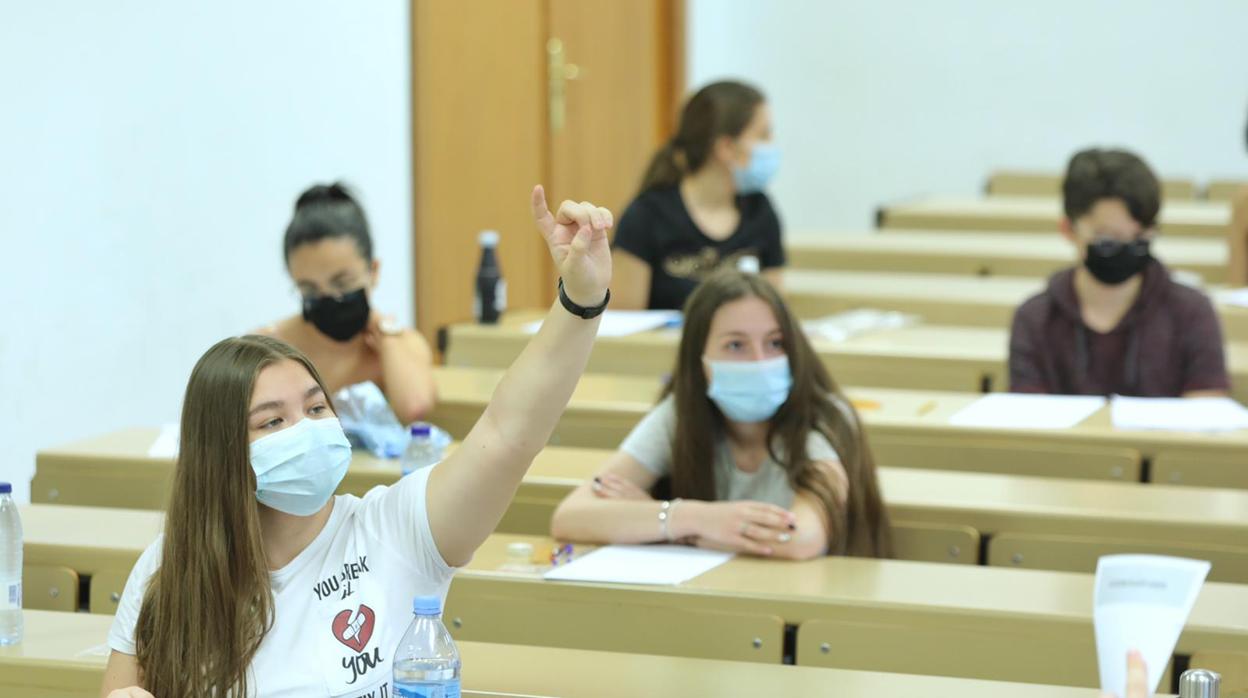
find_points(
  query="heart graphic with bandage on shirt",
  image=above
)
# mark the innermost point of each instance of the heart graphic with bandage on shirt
(354, 629)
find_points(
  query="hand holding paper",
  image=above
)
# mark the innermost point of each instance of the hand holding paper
(1142, 602)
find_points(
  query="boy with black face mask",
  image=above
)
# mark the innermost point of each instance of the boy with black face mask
(1116, 323)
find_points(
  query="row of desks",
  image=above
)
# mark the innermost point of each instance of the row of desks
(1049, 184)
(1038, 214)
(63, 656)
(939, 515)
(918, 357)
(979, 253)
(908, 428)
(938, 299)
(740, 610)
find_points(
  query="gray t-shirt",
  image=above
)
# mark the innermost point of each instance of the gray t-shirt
(650, 443)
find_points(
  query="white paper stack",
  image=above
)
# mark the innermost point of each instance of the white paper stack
(1141, 602)
(1178, 414)
(640, 564)
(1016, 411)
(621, 323)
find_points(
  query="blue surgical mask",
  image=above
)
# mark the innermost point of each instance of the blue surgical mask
(750, 391)
(298, 468)
(754, 177)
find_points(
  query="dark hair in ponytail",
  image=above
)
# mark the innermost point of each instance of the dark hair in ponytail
(719, 109)
(327, 211)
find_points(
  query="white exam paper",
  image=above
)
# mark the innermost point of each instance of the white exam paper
(166, 443)
(1178, 414)
(640, 564)
(1141, 602)
(620, 323)
(1233, 296)
(1017, 411)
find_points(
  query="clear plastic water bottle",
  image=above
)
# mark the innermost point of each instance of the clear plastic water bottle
(422, 451)
(10, 568)
(426, 665)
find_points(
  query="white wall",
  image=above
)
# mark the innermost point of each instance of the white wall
(876, 101)
(150, 155)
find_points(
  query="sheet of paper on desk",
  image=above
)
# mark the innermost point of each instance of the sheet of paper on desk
(621, 323)
(640, 564)
(1015, 411)
(1141, 602)
(1233, 296)
(166, 443)
(1178, 414)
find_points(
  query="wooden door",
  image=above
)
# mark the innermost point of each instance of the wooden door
(479, 146)
(616, 58)
(482, 129)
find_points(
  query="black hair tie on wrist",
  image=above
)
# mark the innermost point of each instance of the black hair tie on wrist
(581, 311)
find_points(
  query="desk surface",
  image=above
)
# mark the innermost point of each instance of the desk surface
(1038, 214)
(940, 299)
(989, 503)
(795, 591)
(921, 357)
(623, 400)
(66, 651)
(802, 591)
(1009, 182)
(981, 253)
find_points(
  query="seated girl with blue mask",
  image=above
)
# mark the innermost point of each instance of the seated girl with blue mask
(380, 374)
(754, 444)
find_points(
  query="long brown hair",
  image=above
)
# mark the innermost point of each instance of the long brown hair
(719, 109)
(860, 527)
(209, 604)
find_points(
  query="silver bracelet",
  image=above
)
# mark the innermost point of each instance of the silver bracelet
(665, 514)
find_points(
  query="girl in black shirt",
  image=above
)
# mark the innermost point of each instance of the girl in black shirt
(701, 204)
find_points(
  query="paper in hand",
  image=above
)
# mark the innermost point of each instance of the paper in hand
(1142, 602)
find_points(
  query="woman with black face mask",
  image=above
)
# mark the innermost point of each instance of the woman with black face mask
(380, 373)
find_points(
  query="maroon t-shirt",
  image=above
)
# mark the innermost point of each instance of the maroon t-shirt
(1168, 343)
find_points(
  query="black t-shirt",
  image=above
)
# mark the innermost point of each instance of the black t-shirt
(657, 229)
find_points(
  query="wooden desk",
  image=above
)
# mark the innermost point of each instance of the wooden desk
(1225, 189)
(932, 606)
(63, 657)
(938, 299)
(1049, 184)
(912, 357)
(978, 254)
(901, 424)
(1183, 518)
(920, 357)
(1033, 214)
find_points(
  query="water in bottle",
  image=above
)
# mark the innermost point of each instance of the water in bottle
(422, 451)
(426, 665)
(10, 568)
(491, 290)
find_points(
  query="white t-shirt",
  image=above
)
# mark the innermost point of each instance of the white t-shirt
(342, 605)
(650, 443)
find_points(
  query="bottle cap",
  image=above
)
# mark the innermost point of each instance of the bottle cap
(488, 238)
(421, 429)
(1199, 683)
(6, 488)
(427, 605)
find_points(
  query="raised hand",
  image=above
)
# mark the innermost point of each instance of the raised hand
(577, 237)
